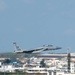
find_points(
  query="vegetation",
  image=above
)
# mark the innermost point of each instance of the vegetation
(6, 61)
(13, 56)
(69, 60)
(42, 63)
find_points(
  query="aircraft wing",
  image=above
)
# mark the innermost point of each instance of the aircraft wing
(34, 50)
(56, 48)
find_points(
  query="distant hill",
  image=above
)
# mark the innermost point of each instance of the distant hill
(13, 56)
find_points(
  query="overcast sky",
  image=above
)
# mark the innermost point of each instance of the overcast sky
(33, 23)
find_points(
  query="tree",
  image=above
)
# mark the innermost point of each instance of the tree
(42, 63)
(69, 61)
(6, 61)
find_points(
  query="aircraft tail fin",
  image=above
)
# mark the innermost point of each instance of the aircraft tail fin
(16, 48)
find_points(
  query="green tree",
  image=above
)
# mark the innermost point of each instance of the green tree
(42, 63)
(6, 61)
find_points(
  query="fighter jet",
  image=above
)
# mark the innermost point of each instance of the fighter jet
(37, 50)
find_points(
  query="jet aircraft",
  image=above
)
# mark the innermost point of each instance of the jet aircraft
(37, 50)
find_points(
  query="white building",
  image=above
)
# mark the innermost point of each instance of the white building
(0, 63)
